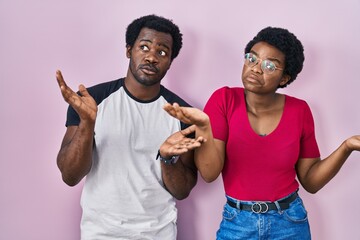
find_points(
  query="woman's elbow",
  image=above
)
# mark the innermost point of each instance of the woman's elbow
(311, 189)
(209, 177)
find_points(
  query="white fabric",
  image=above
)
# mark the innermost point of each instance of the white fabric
(123, 195)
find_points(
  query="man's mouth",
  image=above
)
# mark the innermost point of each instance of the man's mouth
(149, 69)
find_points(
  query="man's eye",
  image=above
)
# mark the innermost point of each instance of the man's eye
(162, 53)
(144, 48)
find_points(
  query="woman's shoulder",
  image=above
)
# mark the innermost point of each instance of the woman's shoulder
(227, 96)
(296, 104)
(295, 100)
(228, 91)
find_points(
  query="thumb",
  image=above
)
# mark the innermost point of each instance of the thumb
(188, 130)
(83, 91)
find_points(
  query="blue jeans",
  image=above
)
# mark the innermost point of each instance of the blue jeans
(289, 224)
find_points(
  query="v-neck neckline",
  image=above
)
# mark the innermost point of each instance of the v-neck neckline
(276, 129)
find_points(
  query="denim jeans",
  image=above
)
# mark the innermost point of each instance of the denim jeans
(289, 224)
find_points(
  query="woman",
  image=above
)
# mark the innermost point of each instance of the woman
(260, 141)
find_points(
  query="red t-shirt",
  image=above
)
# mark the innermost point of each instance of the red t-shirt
(260, 168)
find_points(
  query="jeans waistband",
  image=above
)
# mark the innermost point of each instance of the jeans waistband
(263, 207)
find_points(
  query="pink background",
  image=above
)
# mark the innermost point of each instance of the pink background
(85, 39)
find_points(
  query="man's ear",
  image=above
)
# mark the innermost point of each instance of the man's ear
(285, 78)
(128, 51)
(170, 65)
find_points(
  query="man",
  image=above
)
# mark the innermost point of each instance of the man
(118, 137)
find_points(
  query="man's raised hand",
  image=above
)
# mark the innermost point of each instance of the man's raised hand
(84, 104)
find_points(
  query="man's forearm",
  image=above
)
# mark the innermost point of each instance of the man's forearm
(75, 156)
(179, 178)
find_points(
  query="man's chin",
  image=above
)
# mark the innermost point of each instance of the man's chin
(148, 82)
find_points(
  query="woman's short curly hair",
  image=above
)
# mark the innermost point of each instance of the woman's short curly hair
(156, 23)
(288, 44)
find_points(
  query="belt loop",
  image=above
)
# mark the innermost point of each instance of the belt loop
(238, 204)
(278, 207)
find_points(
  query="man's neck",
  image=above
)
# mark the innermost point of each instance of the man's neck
(141, 91)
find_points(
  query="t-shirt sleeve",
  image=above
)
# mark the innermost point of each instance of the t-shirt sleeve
(215, 108)
(308, 145)
(99, 92)
(72, 118)
(171, 97)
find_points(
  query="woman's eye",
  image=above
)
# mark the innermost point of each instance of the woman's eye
(269, 65)
(252, 59)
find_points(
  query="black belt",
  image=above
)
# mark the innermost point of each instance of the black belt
(263, 207)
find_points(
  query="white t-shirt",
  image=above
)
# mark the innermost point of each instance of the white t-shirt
(124, 196)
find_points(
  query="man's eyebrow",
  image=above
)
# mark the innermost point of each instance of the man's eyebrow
(145, 40)
(164, 45)
(160, 44)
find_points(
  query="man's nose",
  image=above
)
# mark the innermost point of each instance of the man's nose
(151, 57)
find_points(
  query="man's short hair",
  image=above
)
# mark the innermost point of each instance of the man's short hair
(156, 23)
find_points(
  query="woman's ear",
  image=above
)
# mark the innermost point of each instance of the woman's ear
(285, 78)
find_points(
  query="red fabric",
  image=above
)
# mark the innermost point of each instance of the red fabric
(260, 168)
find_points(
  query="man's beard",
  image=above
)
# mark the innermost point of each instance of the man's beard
(143, 78)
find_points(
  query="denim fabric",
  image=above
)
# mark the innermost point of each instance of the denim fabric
(289, 224)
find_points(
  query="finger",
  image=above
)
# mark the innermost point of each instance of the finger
(67, 92)
(192, 145)
(83, 91)
(60, 79)
(167, 106)
(177, 109)
(201, 139)
(169, 109)
(188, 130)
(180, 114)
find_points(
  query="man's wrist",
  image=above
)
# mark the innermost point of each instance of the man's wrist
(169, 161)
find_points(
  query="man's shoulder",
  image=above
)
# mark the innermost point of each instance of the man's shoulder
(107, 85)
(102, 90)
(172, 97)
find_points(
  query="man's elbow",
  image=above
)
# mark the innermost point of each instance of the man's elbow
(70, 181)
(181, 196)
(72, 176)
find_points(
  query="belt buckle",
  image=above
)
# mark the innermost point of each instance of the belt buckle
(263, 207)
